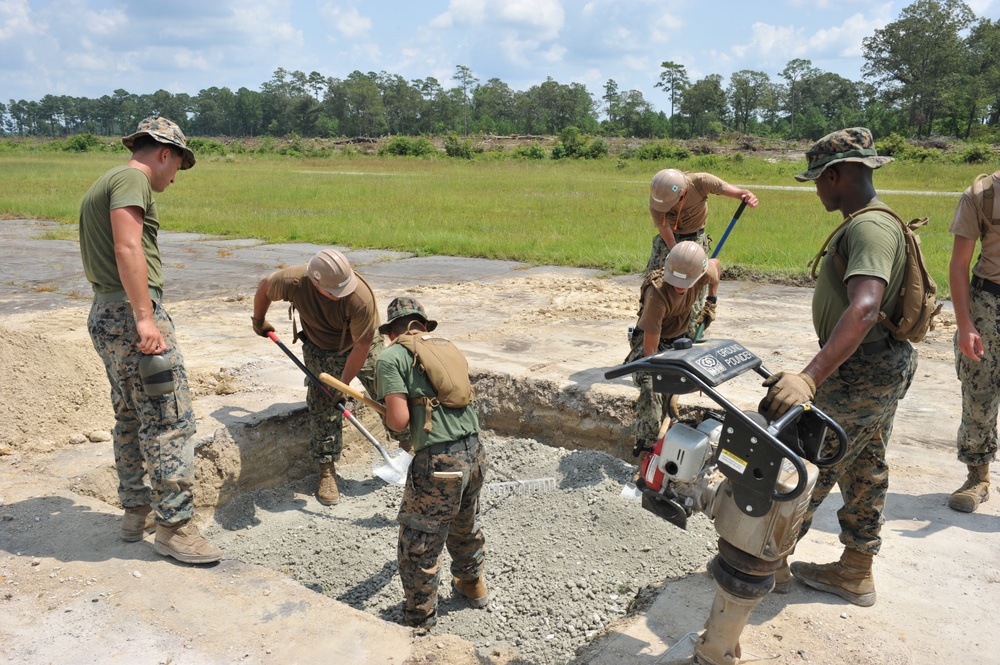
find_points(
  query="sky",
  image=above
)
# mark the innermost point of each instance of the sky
(89, 48)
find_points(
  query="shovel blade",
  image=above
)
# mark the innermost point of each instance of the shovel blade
(394, 471)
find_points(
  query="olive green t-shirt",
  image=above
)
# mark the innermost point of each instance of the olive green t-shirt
(332, 325)
(690, 214)
(395, 373)
(871, 244)
(967, 224)
(121, 187)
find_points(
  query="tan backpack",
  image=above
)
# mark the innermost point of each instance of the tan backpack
(445, 367)
(917, 305)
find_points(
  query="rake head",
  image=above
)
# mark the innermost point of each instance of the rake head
(513, 487)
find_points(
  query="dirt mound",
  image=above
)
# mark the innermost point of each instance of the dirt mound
(55, 392)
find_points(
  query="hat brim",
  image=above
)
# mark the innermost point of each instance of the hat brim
(870, 162)
(662, 205)
(345, 290)
(429, 324)
(673, 280)
(187, 161)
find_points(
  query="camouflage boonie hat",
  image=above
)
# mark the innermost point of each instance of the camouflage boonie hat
(854, 144)
(164, 131)
(404, 306)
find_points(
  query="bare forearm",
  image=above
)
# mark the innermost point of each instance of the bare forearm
(356, 359)
(261, 303)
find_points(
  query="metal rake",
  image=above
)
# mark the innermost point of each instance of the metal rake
(518, 487)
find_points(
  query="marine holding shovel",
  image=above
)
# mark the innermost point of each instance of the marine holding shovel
(424, 380)
(339, 317)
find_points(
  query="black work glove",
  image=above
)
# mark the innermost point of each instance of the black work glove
(261, 326)
(786, 390)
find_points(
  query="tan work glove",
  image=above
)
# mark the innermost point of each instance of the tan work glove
(708, 313)
(786, 390)
(261, 326)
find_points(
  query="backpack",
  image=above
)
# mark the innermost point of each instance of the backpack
(916, 306)
(984, 191)
(445, 367)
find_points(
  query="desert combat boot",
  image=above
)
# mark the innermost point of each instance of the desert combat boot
(328, 494)
(474, 590)
(185, 543)
(850, 578)
(974, 491)
(137, 522)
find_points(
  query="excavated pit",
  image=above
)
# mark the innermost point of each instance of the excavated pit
(562, 566)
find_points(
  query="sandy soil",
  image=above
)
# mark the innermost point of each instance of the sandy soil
(65, 592)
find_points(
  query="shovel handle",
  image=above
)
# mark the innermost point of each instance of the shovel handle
(352, 392)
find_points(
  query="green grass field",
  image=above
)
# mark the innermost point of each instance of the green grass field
(574, 213)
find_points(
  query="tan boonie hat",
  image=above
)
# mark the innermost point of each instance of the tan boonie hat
(404, 306)
(685, 264)
(331, 272)
(164, 131)
(854, 144)
(666, 190)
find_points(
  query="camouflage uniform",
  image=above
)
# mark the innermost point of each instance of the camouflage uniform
(152, 435)
(439, 512)
(651, 407)
(977, 435)
(975, 220)
(326, 435)
(862, 395)
(436, 511)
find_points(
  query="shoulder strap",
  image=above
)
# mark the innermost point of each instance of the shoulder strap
(839, 263)
(984, 190)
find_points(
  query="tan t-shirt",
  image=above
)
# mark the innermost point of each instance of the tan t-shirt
(667, 313)
(691, 213)
(966, 223)
(332, 325)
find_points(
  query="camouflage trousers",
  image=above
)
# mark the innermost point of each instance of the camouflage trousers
(977, 434)
(862, 395)
(651, 408)
(326, 422)
(658, 255)
(436, 512)
(154, 452)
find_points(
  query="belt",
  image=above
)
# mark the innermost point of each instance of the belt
(689, 236)
(444, 447)
(986, 285)
(637, 332)
(872, 348)
(155, 294)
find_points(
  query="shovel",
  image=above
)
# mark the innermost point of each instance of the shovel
(393, 471)
(718, 248)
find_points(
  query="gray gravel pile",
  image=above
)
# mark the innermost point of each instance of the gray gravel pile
(560, 565)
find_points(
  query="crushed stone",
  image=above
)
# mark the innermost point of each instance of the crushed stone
(561, 566)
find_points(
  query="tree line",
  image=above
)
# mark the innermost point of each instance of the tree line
(933, 71)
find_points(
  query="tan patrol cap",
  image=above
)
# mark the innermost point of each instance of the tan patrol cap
(666, 190)
(685, 264)
(331, 272)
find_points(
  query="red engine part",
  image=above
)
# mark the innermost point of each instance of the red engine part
(651, 475)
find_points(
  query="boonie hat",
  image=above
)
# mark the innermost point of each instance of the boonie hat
(666, 190)
(685, 264)
(164, 131)
(404, 306)
(331, 272)
(854, 144)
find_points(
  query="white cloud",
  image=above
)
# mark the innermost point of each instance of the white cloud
(16, 20)
(348, 22)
